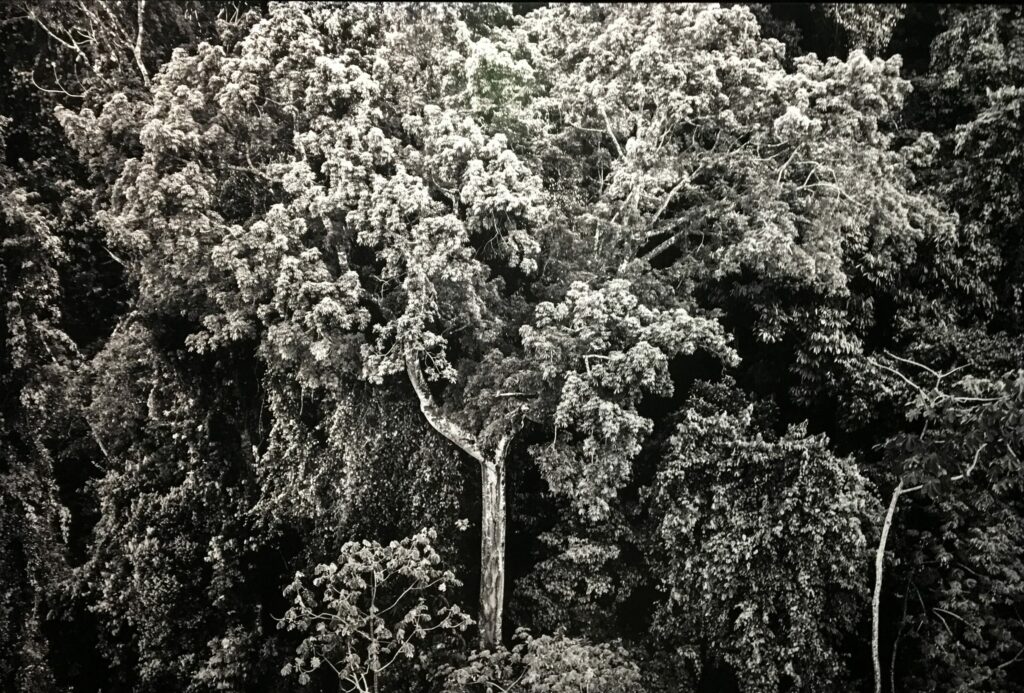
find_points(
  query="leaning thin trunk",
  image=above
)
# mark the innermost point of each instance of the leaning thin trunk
(492, 550)
(880, 562)
(877, 598)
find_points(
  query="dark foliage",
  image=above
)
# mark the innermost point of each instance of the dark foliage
(312, 312)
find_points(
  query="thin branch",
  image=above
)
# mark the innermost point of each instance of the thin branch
(608, 128)
(897, 373)
(956, 616)
(668, 198)
(410, 588)
(59, 90)
(252, 170)
(934, 395)
(958, 477)
(114, 257)
(12, 20)
(912, 362)
(1015, 658)
(782, 169)
(950, 630)
(69, 45)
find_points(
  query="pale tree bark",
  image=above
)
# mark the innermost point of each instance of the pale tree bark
(492, 545)
(492, 503)
(137, 49)
(877, 598)
(880, 563)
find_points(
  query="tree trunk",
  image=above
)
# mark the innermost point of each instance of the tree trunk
(876, 600)
(877, 597)
(492, 550)
(492, 502)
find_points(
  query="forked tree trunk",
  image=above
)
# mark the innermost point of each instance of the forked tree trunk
(492, 551)
(492, 503)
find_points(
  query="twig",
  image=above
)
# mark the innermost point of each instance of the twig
(69, 45)
(1015, 658)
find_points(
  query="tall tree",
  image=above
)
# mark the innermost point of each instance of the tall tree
(305, 191)
(679, 286)
(368, 201)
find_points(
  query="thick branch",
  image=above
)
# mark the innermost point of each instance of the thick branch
(501, 452)
(465, 440)
(672, 240)
(664, 245)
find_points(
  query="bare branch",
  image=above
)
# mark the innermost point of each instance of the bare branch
(956, 616)
(958, 477)
(912, 362)
(608, 128)
(70, 45)
(668, 198)
(114, 257)
(782, 169)
(671, 240)
(1016, 657)
(12, 20)
(59, 90)
(896, 372)
(880, 563)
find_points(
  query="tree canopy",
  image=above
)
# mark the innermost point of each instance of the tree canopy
(511, 347)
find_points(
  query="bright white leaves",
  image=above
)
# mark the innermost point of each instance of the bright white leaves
(779, 187)
(548, 664)
(715, 146)
(867, 26)
(500, 197)
(267, 170)
(354, 184)
(503, 198)
(502, 85)
(793, 126)
(372, 609)
(605, 350)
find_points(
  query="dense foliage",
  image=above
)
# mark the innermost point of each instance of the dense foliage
(533, 347)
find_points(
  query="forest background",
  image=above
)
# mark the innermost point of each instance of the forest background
(515, 347)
